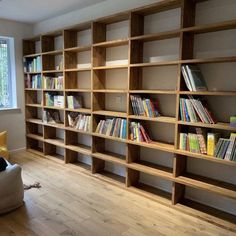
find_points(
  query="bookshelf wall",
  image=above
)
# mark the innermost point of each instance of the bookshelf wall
(132, 53)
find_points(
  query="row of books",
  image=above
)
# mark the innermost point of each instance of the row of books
(115, 127)
(209, 144)
(74, 102)
(138, 133)
(144, 106)
(34, 81)
(53, 82)
(54, 100)
(79, 121)
(51, 117)
(195, 110)
(32, 65)
(193, 78)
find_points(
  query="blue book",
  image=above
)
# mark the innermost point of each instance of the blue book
(124, 129)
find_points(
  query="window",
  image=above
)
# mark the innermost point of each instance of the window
(7, 82)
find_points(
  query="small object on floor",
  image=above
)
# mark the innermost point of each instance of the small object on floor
(35, 185)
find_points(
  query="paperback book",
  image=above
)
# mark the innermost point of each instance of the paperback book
(138, 133)
(79, 121)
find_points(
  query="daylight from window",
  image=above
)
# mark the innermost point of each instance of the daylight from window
(5, 80)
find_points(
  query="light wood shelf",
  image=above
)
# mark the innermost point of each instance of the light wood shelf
(96, 89)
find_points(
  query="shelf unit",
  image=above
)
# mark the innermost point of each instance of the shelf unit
(91, 79)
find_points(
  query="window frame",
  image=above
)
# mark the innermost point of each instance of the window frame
(11, 73)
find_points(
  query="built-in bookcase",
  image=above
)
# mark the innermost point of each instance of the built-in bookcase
(138, 53)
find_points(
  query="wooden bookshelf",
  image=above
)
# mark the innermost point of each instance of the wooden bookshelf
(88, 76)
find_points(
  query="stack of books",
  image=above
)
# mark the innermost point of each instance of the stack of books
(34, 81)
(74, 102)
(138, 133)
(144, 106)
(209, 144)
(195, 110)
(32, 65)
(51, 117)
(115, 127)
(54, 100)
(53, 82)
(79, 121)
(193, 78)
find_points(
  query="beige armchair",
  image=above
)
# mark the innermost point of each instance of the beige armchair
(3, 145)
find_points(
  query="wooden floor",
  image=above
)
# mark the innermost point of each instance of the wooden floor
(72, 203)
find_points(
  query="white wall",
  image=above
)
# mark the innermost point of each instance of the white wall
(13, 121)
(99, 10)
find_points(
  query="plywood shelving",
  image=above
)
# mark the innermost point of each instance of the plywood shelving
(81, 55)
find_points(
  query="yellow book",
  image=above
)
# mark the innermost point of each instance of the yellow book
(233, 135)
(146, 109)
(211, 143)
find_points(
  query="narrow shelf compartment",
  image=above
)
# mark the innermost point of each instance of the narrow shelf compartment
(110, 157)
(144, 184)
(54, 136)
(78, 142)
(77, 159)
(110, 172)
(54, 152)
(211, 185)
(34, 131)
(32, 47)
(35, 146)
(110, 113)
(112, 43)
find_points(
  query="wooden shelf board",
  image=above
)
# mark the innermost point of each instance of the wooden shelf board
(32, 55)
(80, 110)
(151, 193)
(163, 119)
(53, 90)
(110, 91)
(206, 157)
(77, 130)
(33, 105)
(209, 93)
(33, 73)
(200, 29)
(38, 137)
(158, 7)
(219, 125)
(110, 67)
(35, 121)
(111, 178)
(155, 145)
(157, 36)
(111, 157)
(79, 49)
(52, 71)
(79, 90)
(53, 108)
(209, 60)
(110, 113)
(38, 151)
(207, 184)
(79, 69)
(80, 148)
(113, 43)
(55, 125)
(152, 169)
(154, 91)
(55, 52)
(212, 215)
(109, 137)
(160, 63)
(80, 165)
(56, 141)
(32, 89)
(56, 157)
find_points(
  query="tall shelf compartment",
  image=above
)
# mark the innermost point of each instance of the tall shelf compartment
(145, 58)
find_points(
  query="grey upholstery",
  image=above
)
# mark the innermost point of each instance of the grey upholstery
(11, 188)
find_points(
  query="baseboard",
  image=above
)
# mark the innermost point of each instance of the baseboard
(17, 150)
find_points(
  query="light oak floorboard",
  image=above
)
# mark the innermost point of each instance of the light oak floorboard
(73, 203)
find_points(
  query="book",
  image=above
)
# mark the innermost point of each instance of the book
(79, 121)
(193, 78)
(115, 127)
(52, 117)
(212, 139)
(138, 133)
(53, 82)
(144, 106)
(74, 102)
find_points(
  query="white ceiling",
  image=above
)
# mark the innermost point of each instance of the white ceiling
(32, 11)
